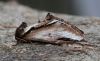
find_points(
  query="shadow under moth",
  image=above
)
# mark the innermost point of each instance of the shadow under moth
(51, 30)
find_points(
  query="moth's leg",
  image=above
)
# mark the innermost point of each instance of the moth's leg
(65, 42)
(19, 40)
(30, 41)
(17, 43)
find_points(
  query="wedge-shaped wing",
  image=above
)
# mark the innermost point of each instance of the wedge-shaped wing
(52, 30)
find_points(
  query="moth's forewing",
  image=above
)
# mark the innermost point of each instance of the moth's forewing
(52, 29)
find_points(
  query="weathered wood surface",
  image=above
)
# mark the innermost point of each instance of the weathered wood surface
(12, 15)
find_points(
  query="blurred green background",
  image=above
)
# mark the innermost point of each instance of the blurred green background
(72, 7)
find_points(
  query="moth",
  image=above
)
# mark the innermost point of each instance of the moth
(51, 30)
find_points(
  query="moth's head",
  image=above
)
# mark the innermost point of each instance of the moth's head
(19, 31)
(23, 25)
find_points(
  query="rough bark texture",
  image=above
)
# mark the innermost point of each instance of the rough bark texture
(13, 14)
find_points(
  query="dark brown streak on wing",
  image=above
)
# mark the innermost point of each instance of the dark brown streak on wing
(78, 30)
(74, 27)
(66, 39)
